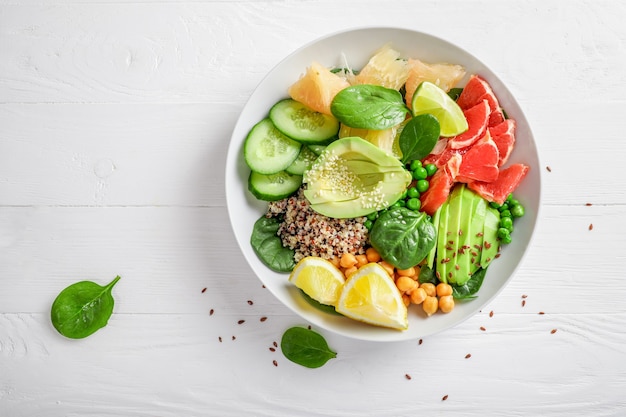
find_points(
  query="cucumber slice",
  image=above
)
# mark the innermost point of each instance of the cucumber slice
(267, 151)
(301, 123)
(303, 162)
(317, 149)
(273, 187)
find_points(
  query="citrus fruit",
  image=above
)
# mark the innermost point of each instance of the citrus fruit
(429, 98)
(319, 279)
(507, 181)
(480, 162)
(385, 139)
(445, 76)
(371, 296)
(477, 117)
(384, 68)
(317, 88)
(438, 191)
(477, 90)
(503, 135)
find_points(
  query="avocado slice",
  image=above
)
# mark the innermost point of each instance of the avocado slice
(353, 178)
(446, 260)
(442, 239)
(491, 243)
(433, 251)
(476, 232)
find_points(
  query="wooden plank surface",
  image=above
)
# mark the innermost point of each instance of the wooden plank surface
(115, 117)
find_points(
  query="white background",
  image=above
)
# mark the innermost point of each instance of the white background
(115, 117)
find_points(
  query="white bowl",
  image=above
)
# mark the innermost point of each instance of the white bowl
(358, 46)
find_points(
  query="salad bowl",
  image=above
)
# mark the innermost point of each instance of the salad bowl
(356, 47)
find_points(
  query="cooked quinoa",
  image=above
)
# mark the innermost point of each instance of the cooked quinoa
(309, 233)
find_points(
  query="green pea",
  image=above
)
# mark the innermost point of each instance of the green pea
(372, 216)
(413, 204)
(368, 224)
(502, 233)
(509, 198)
(505, 213)
(399, 203)
(420, 173)
(431, 169)
(422, 185)
(513, 202)
(415, 164)
(494, 205)
(413, 193)
(506, 239)
(507, 223)
(517, 210)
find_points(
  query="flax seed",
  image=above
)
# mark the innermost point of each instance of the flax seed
(204, 290)
(445, 397)
(482, 328)
(211, 311)
(250, 302)
(491, 313)
(469, 355)
(407, 376)
(274, 362)
(549, 169)
(262, 319)
(241, 322)
(272, 349)
(552, 331)
(590, 226)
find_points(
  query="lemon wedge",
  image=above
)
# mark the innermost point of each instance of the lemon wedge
(319, 279)
(371, 296)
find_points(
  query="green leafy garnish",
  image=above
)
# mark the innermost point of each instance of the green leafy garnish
(454, 93)
(306, 347)
(470, 288)
(268, 246)
(82, 308)
(322, 307)
(418, 137)
(368, 106)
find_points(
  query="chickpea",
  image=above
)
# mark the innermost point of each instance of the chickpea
(418, 296)
(372, 255)
(444, 289)
(347, 260)
(430, 305)
(388, 267)
(361, 260)
(407, 272)
(446, 303)
(335, 261)
(430, 289)
(406, 284)
(349, 271)
(406, 300)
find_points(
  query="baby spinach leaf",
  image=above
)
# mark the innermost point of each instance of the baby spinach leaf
(403, 237)
(427, 275)
(454, 93)
(418, 137)
(268, 246)
(306, 347)
(322, 307)
(82, 308)
(470, 288)
(368, 106)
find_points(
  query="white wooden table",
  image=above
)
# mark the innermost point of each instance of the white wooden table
(115, 117)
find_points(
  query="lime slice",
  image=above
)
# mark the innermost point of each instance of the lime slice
(429, 98)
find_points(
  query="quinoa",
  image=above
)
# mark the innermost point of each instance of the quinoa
(309, 233)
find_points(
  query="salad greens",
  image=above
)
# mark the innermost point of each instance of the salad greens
(403, 237)
(306, 347)
(82, 308)
(418, 137)
(368, 106)
(268, 246)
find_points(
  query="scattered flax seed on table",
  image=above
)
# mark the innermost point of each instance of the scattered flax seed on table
(469, 355)
(482, 328)
(241, 322)
(204, 290)
(275, 344)
(552, 331)
(250, 302)
(272, 349)
(211, 311)
(420, 342)
(590, 226)
(220, 339)
(274, 362)
(407, 376)
(549, 169)
(523, 303)
(588, 204)
(445, 397)
(233, 338)
(262, 319)
(541, 313)
(491, 313)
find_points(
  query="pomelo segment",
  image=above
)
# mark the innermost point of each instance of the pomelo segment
(507, 181)
(317, 88)
(445, 76)
(477, 117)
(386, 68)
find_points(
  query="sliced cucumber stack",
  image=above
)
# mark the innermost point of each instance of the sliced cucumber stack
(303, 124)
(273, 187)
(267, 151)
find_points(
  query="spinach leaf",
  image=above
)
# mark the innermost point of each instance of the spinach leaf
(322, 307)
(418, 137)
(454, 93)
(470, 288)
(82, 308)
(427, 275)
(306, 347)
(268, 246)
(368, 106)
(403, 237)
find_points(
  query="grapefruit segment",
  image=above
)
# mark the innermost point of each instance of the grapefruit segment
(503, 134)
(477, 117)
(507, 181)
(440, 185)
(480, 162)
(317, 88)
(475, 91)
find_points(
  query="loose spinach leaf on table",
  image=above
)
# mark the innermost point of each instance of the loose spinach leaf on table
(368, 106)
(268, 246)
(306, 347)
(418, 137)
(470, 288)
(82, 308)
(403, 237)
